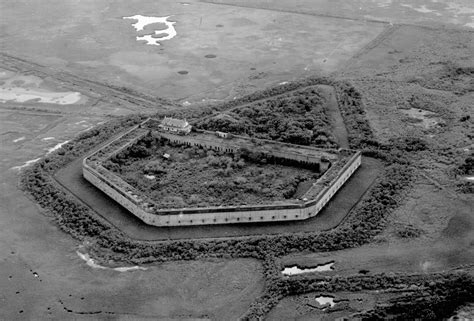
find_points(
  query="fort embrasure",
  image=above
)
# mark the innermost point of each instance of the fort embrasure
(338, 164)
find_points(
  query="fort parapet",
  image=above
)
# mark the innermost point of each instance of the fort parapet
(343, 163)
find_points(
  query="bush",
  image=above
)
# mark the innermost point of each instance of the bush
(436, 301)
(298, 117)
(467, 166)
(408, 232)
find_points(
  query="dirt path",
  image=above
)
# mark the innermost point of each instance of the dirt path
(123, 96)
(338, 126)
(294, 11)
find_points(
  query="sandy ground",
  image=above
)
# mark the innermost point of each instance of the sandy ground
(459, 13)
(253, 48)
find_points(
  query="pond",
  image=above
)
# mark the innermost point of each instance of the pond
(56, 147)
(19, 88)
(21, 95)
(90, 262)
(26, 164)
(323, 300)
(158, 34)
(424, 118)
(295, 270)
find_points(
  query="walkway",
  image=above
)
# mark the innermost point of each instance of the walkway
(338, 126)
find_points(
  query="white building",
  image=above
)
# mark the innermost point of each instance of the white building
(174, 125)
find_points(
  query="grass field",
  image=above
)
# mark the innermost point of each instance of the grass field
(253, 48)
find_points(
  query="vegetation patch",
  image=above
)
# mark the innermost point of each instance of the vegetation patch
(408, 231)
(467, 166)
(453, 290)
(177, 176)
(465, 170)
(451, 77)
(298, 117)
(421, 300)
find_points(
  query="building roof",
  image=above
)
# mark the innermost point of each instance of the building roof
(173, 122)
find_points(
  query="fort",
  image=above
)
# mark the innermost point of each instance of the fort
(337, 165)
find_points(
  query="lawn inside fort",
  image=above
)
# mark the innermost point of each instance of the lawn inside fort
(390, 80)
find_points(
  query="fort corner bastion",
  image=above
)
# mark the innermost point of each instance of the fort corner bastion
(338, 166)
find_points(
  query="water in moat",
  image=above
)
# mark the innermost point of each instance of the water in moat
(295, 270)
(90, 262)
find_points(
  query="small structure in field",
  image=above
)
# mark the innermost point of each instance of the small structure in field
(222, 134)
(174, 125)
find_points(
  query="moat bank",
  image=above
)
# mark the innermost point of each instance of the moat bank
(71, 178)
